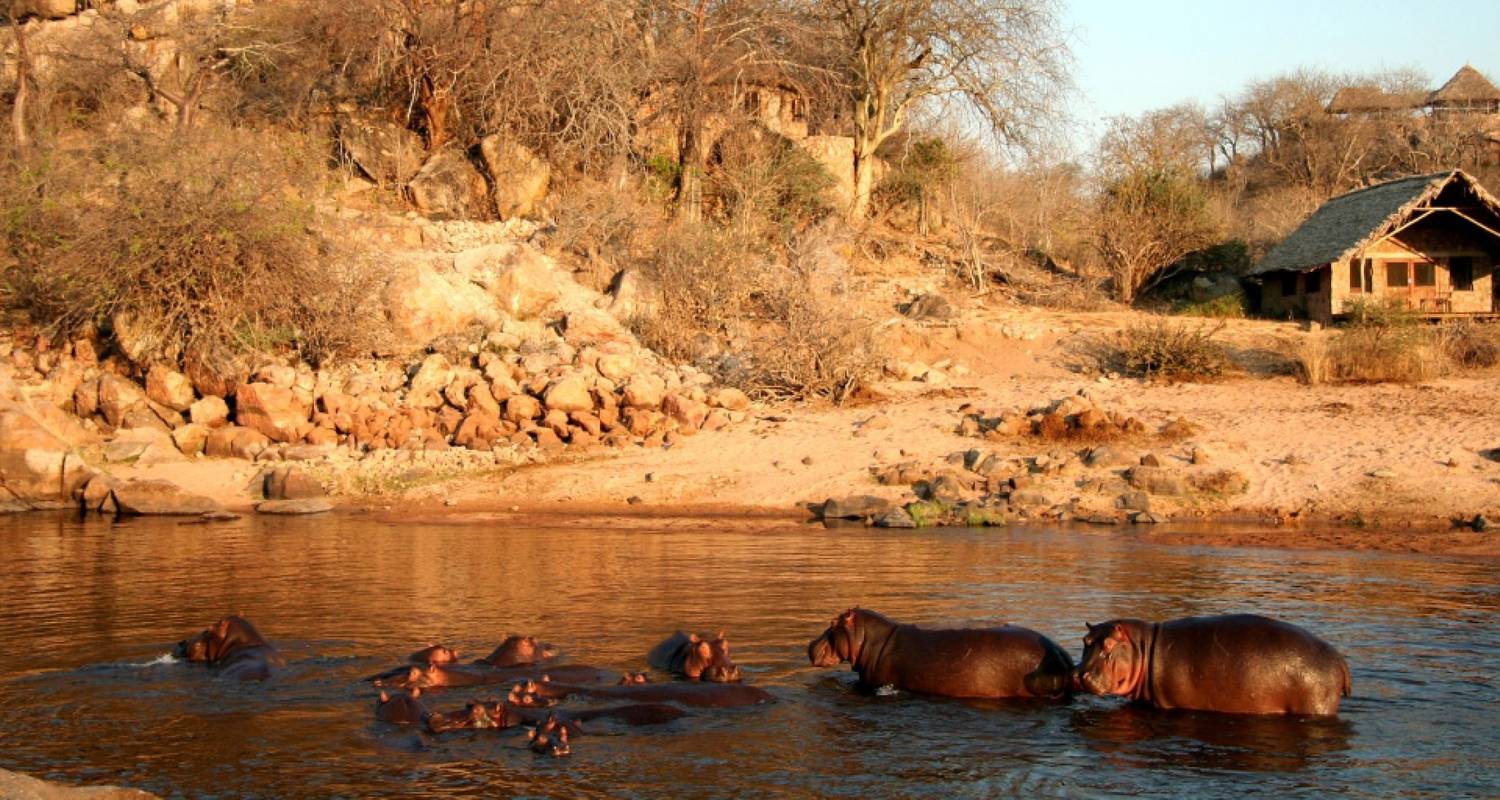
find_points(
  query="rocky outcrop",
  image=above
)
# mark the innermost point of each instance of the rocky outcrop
(385, 152)
(519, 178)
(40, 466)
(448, 187)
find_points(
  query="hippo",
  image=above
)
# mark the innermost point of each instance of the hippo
(550, 738)
(696, 659)
(697, 695)
(1236, 663)
(519, 651)
(1004, 662)
(507, 714)
(402, 709)
(451, 675)
(434, 654)
(232, 646)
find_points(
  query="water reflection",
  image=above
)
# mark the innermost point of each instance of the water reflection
(88, 607)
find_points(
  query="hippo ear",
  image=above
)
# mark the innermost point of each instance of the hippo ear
(693, 637)
(385, 698)
(416, 691)
(1120, 632)
(705, 651)
(719, 636)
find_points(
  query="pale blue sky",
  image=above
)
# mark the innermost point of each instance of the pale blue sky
(1131, 56)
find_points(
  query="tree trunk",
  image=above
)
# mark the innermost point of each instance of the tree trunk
(19, 108)
(690, 170)
(864, 180)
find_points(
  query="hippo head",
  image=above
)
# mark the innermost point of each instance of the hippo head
(194, 648)
(527, 695)
(840, 643)
(1114, 661)
(478, 715)
(708, 660)
(409, 677)
(634, 679)
(550, 737)
(401, 709)
(435, 654)
(519, 651)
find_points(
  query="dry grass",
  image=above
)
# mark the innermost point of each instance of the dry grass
(1386, 345)
(1172, 350)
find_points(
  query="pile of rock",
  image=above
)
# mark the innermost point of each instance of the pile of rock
(1076, 417)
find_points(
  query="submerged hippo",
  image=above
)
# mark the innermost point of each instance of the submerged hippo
(435, 676)
(688, 656)
(697, 695)
(402, 709)
(232, 646)
(1238, 663)
(1009, 661)
(434, 654)
(507, 714)
(550, 738)
(519, 651)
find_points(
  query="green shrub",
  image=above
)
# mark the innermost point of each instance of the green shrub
(1176, 351)
(1224, 307)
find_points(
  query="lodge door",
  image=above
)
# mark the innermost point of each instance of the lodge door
(1416, 283)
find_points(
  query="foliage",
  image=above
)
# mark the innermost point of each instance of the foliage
(758, 177)
(1173, 350)
(1148, 220)
(928, 513)
(198, 242)
(1222, 307)
(1380, 342)
(1471, 345)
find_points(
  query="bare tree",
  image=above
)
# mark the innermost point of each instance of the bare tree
(19, 106)
(1003, 60)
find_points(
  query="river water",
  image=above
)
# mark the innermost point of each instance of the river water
(88, 609)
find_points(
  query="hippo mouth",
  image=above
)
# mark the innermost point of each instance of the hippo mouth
(723, 674)
(820, 652)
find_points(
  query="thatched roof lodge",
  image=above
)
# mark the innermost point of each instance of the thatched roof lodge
(1430, 242)
(1467, 92)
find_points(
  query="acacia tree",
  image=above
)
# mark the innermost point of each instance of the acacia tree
(1153, 206)
(1002, 60)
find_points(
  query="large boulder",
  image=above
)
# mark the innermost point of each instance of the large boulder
(16, 786)
(428, 383)
(568, 393)
(384, 151)
(161, 497)
(233, 441)
(277, 413)
(520, 179)
(47, 9)
(38, 467)
(169, 388)
(118, 397)
(423, 303)
(526, 287)
(448, 187)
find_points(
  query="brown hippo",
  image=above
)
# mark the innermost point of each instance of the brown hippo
(550, 738)
(698, 695)
(1237, 663)
(1008, 661)
(403, 709)
(519, 651)
(688, 656)
(452, 675)
(507, 714)
(234, 647)
(434, 654)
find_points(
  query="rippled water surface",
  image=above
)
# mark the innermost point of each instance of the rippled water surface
(88, 609)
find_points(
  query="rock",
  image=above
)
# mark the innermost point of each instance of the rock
(385, 152)
(15, 786)
(1146, 518)
(632, 295)
(423, 304)
(191, 439)
(291, 483)
(274, 411)
(1150, 460)
(1479, 523)
(279, 375)
(169, 388)
(37, 466)
(519, 177)
(1222, 481)
(47, 9)
(316, 505)
(944, 489)
(860, 506)
(522, 408)
(1134, 501)
(729, 398)
(644, 391)
(1030, 498)
(688, 413)
(117, 397)
(1105, 456)
(895, 518)
(160, 497)
(929, 306)
(233, 441)
(431, 378)
(306, 452)
(448, 187)
(568, 393)
(1383, 474)
(215, 375)
(1156, 480)
(616, 366)
(210, 411)
(526, 288)
(1199, 456)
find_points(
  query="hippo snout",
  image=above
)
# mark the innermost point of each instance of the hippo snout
(720, 673)
(820, 652)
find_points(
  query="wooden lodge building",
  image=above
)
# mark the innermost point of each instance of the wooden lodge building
(1430, 242)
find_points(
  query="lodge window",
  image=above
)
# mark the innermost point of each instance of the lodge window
(1288, 283)
(1356, 285)
(1424, 274)
(1396, 273)
(1461, 272)
(1314, 282)
(1369, 275)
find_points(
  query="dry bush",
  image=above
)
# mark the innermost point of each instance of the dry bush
(1386, 343)
(760, 178)
(1174, 351)
(1470, 345)
(198, 242)
(706, 277)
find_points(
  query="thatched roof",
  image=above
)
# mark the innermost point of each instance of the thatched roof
(1467, 86)
(1366, 99)
(1353, 221)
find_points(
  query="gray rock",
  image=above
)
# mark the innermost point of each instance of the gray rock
(1147, 518)
(316, 505)
(1105, 456)
(160, 497)
(1156, 480)
(1479, 523)
(1029, 498)
(895, 518)
(929, 306)
(1134, 501)
(860, 506)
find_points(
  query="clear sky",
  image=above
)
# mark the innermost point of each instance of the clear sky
(1131, 56)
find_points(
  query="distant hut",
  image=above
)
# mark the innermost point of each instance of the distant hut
(1467, 92)
(1374, 100)
(1429, 242)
